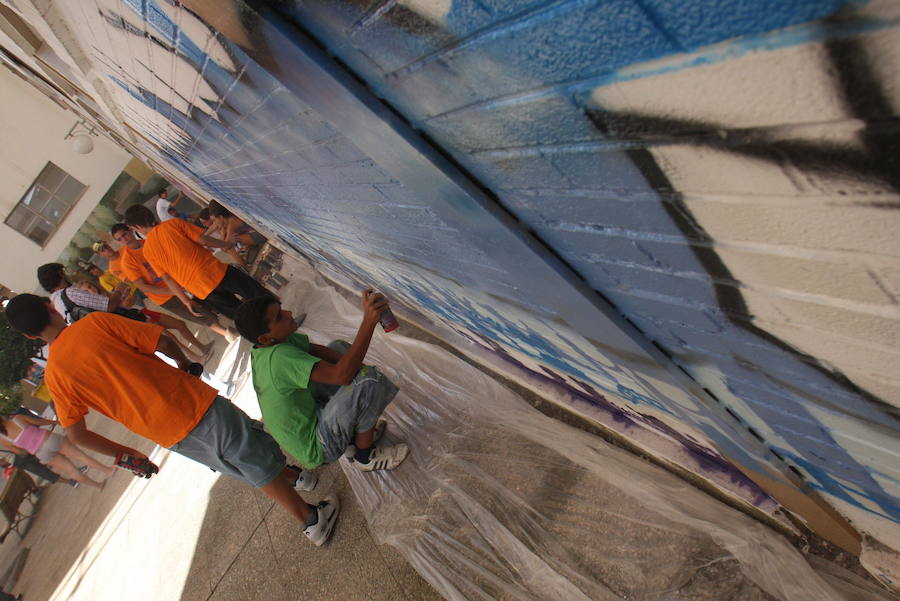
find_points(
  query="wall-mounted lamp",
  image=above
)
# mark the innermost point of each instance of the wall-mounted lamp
(81, 134)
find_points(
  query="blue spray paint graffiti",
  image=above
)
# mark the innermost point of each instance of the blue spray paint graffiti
(463, 116)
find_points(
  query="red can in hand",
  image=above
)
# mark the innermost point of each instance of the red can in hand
(388, 322)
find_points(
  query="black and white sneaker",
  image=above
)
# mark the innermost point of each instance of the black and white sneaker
(380, 427)
(328, 511)
(306, 480)
(384, 458)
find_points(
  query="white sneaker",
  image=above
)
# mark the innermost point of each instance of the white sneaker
(328, 510)
(306, 480)
(380, 427)
(384, 458)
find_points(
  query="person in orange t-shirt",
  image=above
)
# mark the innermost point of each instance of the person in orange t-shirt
(106, 363)
(137, 271)
(175, 250)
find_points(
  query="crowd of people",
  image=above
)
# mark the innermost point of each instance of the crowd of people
(319, 403)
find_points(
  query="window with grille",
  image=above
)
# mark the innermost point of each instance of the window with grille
(45, 204)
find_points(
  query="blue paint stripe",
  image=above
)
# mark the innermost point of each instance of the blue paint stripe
(817, 32)
(795, 36)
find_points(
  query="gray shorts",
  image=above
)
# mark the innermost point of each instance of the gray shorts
(345, 410)
(229, 442)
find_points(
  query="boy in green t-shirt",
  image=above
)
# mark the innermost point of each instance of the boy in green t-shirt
(318, 402)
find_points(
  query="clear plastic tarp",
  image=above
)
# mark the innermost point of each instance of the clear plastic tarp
(498, 501)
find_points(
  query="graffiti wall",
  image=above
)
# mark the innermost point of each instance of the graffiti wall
(684, 217)
(721, 172)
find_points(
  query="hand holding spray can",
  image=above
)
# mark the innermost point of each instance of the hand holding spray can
(387, 320)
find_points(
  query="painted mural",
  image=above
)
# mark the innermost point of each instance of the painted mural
(568, 183)
(555, 107)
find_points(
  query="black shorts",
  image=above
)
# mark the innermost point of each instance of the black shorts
(235, 288)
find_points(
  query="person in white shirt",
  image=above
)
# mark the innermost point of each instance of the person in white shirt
(163, 204)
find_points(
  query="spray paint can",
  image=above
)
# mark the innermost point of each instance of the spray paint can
(388, 321)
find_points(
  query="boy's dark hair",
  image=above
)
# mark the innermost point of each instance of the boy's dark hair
(118, 228)
(139, 215)
(250, 317)
(50, 275)
(217, 210)
(28, 313)
(203, 214)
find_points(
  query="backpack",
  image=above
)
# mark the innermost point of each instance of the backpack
(75, 312)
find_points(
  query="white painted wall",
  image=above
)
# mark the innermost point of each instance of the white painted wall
(32, 128)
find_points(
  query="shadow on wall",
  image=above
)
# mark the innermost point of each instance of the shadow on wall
(595, 183)
(537, 136)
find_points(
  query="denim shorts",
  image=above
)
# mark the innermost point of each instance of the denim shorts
(229, 442)
(345, 410)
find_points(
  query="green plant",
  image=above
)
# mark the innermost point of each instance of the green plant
(10, 398)
(17, 352)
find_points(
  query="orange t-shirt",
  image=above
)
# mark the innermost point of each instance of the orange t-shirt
(171, 247)
(115, 265)
(135, 267)
(105, 362)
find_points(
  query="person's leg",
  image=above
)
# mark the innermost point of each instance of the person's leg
(349, 420)
(365, 440)
(64, 467)
(76, 455)
(231, 443)
(32, 464)
(281, 490)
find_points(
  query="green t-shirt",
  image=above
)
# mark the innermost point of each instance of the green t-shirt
(281, 379)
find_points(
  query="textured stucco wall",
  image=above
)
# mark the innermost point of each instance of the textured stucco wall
(722, 174)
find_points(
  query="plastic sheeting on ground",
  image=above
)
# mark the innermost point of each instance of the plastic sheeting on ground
(498, 501)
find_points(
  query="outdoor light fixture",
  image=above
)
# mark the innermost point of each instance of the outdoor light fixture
(81, 134)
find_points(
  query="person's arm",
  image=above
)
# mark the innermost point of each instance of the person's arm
(11, 447)
(178, 291)
(214, 227)
(229, 229)
(79, 434)
(37, 421)
(207, 240)
(323, 352)
(128, 298)
(345, 369)
(115, 300)
(168, 347)
(142, 285)
(177, 198)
